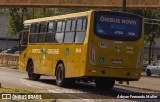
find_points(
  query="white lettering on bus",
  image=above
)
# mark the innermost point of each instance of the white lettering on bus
(36, 51)
(117, 20)
(129, 48)
(112, 20)
(53, 51)
(78, 50)
(124, 21)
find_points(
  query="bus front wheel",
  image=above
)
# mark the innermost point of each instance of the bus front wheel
(104, 83)
(31, 74)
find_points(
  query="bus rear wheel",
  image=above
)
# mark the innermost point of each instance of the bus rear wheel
(31, 74)
(104, 83)
(60, 77)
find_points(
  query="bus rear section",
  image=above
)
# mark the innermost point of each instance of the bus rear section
(115, 48)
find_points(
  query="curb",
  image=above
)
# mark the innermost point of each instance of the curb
(138, 87)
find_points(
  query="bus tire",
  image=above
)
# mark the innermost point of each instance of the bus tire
(61, 81)
(60, 75)
(31, 74)
(104, 83)
(148, 72)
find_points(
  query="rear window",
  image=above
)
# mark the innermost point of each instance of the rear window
(117, 25)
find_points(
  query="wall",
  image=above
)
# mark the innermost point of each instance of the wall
(4, 44)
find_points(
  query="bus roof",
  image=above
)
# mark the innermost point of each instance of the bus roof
(71, 15)
(28, 22)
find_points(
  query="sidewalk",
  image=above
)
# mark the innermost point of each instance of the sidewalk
(150, 83)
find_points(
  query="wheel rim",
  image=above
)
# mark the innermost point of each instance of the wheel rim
(60, 75)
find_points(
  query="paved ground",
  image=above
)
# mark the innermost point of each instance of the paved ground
(15, 79)
(146, 82)
(151, 83)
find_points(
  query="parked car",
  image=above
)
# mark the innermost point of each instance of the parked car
(17, 52)
(8, 51)
(153, 68)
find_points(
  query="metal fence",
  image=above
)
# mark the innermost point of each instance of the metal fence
(9, 60)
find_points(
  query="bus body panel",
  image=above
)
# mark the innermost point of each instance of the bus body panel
(46, 56)
(93, 58)
(113, 58)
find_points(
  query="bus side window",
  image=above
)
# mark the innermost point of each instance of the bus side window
(42, 34)
(25, 38)
(69, 31)
(60, 32)
(34, 33)
(80, 30)
(51, 32)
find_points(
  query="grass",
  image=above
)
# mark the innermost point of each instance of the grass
(20, 91)
(11, 90)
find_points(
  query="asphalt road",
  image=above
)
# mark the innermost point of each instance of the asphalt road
(15, 79)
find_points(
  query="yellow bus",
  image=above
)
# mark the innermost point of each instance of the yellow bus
(94, 46)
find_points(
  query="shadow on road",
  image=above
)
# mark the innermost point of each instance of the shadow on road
(89, 91)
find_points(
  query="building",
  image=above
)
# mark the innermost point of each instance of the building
(155, 52)
(6, 42)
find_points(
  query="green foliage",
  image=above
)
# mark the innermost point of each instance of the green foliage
(16, 16)
(150, 29)
(70, 10)
(15, 24)
(42, 12)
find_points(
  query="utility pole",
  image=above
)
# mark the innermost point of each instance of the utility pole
(124, 5)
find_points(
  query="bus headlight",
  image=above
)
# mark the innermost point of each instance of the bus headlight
(139, 59)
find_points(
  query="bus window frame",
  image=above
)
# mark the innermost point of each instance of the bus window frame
(56, 22)
(40, 23)
(83, 17)
(54, 33)
(61, 20)
(74, 31)
(21, 39)
(34, 33)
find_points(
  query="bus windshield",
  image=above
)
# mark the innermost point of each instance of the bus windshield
(118, 26)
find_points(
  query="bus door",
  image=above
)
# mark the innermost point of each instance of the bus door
(22, 46)
(43, 58)
(74, 53)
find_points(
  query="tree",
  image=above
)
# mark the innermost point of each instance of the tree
(16, 16)
(69, 10)
(15, 24)
(152, 30)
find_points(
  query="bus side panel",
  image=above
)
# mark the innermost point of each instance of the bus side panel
(77, 56)
(75, 60)
(35, 55)
(22, 60)
(58, 55)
